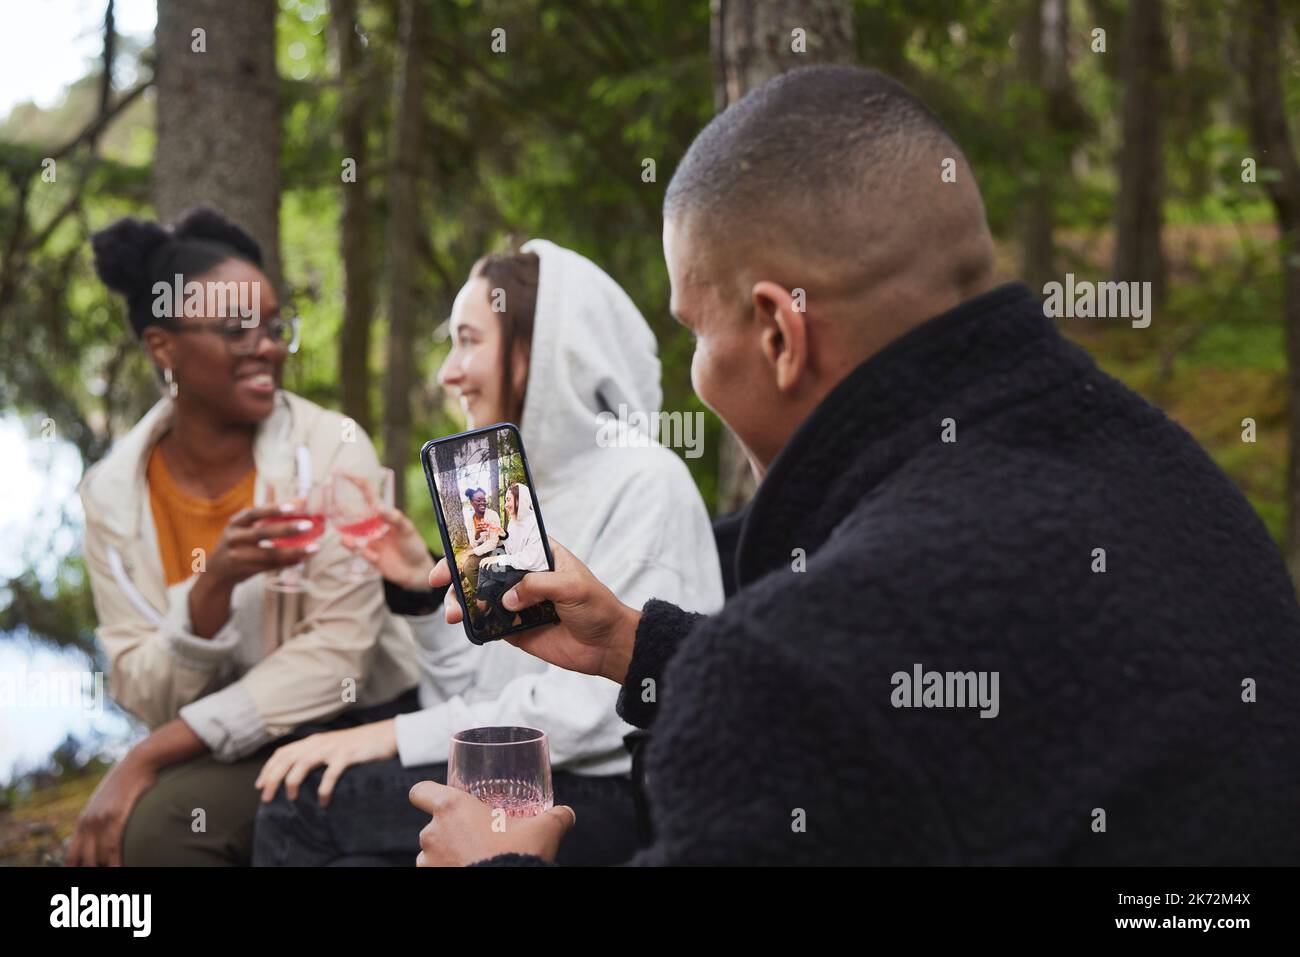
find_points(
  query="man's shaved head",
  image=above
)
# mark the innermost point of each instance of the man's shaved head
(830, 178)
(809, 225)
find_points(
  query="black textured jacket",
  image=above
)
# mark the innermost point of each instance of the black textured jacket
(1122, 733)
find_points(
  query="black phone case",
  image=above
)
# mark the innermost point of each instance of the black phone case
(426, 459)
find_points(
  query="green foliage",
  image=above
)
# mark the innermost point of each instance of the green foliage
(58, 611)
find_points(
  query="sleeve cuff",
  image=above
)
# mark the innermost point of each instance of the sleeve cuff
(410, 602)
(512, 860)
(228, 722)
(188, 648)
(424, 737)
(662, 628)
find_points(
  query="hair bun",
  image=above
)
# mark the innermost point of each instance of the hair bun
(206, 223)
(122, 253)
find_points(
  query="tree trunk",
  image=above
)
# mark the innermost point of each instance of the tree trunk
(110, 56)
(1036, 259)
(1197, 74)
(1139, 210)
(753, 41)
(219, 116)
(494, 457)
(1044, 66)
(355, 240)
(403, 242)
(450, 495)
(1272, 140)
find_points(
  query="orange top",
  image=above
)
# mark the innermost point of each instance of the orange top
(185, 523)
(482, 523)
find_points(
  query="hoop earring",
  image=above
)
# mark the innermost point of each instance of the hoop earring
(172, 387)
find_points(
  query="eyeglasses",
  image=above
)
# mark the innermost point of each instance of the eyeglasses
(241, 338)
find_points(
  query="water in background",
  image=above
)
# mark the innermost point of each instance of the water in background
(40, 525)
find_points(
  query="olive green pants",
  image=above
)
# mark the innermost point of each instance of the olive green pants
(197, 814)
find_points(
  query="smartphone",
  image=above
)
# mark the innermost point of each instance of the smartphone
(491, 526)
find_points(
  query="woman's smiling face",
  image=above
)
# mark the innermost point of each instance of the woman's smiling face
(472, 371)
(238, 389)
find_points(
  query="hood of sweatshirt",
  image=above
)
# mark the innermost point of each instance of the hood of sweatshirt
(592, 352)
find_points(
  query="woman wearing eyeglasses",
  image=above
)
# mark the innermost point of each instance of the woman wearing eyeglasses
(214, 663)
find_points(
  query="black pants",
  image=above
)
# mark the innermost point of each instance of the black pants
(371, 822)
(495, 580)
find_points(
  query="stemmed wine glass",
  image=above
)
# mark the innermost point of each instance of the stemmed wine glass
(354, 509)
(309, 506)
(508, 769)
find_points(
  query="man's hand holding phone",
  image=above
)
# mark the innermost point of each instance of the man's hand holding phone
(596, 632)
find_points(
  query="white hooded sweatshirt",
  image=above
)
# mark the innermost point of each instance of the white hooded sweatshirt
(524, 545)
(630, 511)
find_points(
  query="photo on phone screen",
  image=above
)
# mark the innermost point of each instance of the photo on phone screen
(491, 525)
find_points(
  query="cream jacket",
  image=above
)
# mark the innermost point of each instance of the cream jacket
(280, 660)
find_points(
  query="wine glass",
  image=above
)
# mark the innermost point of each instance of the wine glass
(308, 506)
(353, 508)
(508, 769)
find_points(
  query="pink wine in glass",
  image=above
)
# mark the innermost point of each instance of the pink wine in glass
(516, 798)
(299, 539)
(366, 529)
(508, 769)
(355, 508)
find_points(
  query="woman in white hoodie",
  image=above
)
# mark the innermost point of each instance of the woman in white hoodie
(567, 359)
(523, 552)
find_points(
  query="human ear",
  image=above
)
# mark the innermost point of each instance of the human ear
(783, 336)
(157, 344)
(519, 370)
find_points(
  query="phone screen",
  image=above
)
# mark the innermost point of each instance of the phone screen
(491, 525)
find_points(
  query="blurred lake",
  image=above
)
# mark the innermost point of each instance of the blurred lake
(46, 691)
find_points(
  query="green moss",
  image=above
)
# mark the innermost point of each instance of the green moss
(34, 830)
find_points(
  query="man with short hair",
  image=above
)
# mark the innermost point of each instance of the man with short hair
(992, 607)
